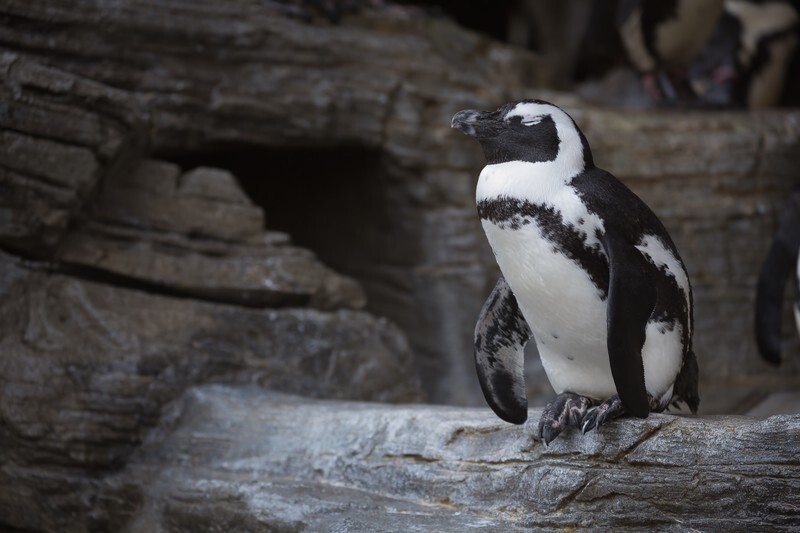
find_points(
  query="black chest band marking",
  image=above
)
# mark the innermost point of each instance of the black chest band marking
(512, 214)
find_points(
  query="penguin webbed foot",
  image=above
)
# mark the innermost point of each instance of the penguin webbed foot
(613, 408)
(566, 409)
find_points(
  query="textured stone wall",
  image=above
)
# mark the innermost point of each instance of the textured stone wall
(249, 76)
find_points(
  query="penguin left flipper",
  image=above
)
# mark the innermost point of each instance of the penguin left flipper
(500, 338)
(631, 300)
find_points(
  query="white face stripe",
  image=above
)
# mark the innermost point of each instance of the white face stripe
(536, 182)
(570, 147)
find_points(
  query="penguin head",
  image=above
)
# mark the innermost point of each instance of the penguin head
(530, 130)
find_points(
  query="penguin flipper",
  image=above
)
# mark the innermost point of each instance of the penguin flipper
(500, 338)
(769, 301)
(775, 271)
(631, 299)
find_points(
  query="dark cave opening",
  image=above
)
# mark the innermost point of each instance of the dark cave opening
(333, 201)
(485, 16)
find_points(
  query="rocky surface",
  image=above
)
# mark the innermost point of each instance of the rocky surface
(87, 366)
(197, 233)
(237, 458)
(91, 364)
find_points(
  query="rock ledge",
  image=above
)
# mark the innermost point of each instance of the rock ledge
(361, 466)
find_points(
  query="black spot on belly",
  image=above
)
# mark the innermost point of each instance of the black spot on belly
(570, 358)
(555, 335)
(511, 213)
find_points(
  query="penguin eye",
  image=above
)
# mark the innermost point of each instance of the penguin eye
(519, 122)
(531, 121)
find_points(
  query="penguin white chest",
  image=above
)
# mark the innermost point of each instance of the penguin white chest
(530, 224)
(550, 287)
(563, 307)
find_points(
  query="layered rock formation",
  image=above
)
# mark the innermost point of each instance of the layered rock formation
(247, 78)
(147, 296)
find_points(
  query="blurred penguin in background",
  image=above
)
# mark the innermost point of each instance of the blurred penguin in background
(554, 30)
(765, 36)
(699, 53)
(779, 265)
(661, 38)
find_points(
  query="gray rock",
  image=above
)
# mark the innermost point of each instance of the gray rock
(191, 209)
(198, 234)
(87, 366)
(365, 467)
(159, 178)
(236, 92)
(213, 184)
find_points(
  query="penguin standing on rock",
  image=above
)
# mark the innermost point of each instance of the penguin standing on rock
(588, 272)
(661, 37)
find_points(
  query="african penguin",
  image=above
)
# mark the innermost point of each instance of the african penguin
(588, 272)
(767, 37)
(780, 263)
(661, 37)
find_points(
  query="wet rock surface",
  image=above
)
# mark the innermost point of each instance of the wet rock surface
(366, 467)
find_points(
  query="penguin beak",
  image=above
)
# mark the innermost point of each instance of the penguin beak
(474, 123)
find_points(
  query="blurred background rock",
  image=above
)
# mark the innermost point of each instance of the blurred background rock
(269, 192)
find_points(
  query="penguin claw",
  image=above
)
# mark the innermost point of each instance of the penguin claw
(607, 410)
(566, 409)
(549, 433)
